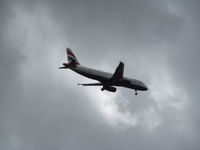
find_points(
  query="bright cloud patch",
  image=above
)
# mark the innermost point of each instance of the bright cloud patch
(110, 110)
(163, 91)
(106, 104)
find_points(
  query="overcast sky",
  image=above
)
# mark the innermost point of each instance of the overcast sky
(42, 108)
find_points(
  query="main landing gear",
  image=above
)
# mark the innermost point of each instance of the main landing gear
(136, 92)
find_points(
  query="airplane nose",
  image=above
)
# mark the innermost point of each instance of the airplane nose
(145, 88)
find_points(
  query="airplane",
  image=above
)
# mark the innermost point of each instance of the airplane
(108, 81)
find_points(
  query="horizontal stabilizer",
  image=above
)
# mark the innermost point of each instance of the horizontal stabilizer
(62, 68)
(92, 84)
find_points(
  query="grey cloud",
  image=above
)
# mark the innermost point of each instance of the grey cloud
(42, 108)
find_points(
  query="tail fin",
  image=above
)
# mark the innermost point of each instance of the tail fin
(71, 57)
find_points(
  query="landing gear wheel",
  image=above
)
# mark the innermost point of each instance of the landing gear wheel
(136, 92)
(102, 89)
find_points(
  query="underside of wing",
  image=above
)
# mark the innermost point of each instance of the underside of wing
(92, 84)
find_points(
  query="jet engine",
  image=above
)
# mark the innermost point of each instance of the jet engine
(109, 88)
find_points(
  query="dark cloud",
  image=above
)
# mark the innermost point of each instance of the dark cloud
(42, 108)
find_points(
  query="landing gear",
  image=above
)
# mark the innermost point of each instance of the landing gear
(102, 89)
(136, 92)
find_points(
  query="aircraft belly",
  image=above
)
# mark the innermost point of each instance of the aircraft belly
(125, 82)
(135, 87)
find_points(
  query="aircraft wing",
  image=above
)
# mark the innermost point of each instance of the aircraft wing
(119, 72)
(91, 84)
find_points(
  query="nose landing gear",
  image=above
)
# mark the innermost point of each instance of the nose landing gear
(136, 92)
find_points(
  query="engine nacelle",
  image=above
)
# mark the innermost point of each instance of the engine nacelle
(109, 88)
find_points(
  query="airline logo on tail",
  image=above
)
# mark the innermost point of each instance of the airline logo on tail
(71, 57)
(72, 60)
